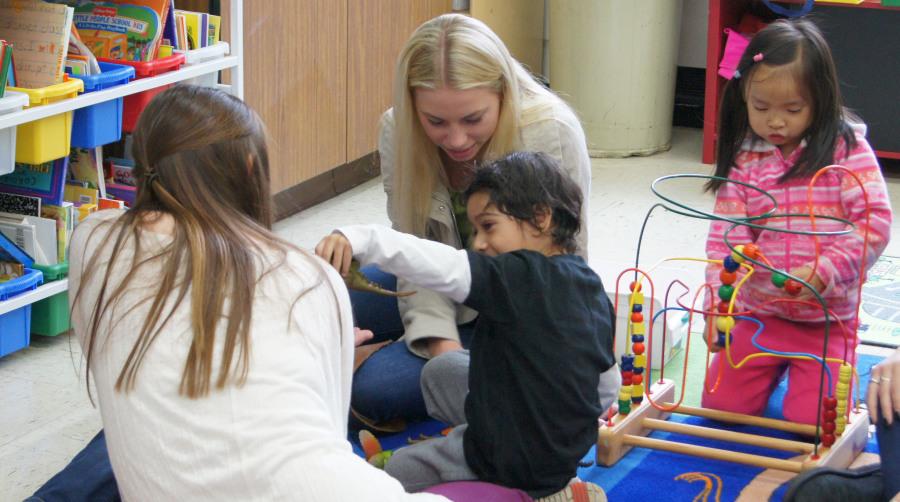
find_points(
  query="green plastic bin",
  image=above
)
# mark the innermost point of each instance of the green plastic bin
(50, 316)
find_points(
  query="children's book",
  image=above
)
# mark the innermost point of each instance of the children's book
(86, 165)
(122, 192)
(214, 27)
(64, 216)
(192, 25)
(39, 32)
(128, 30)
(45, 180)
(110, 204)
(24, 236)
(44, 230)
(78, 194)
(20, 204)
(122, 171)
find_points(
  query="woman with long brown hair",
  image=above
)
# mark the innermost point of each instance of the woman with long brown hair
(221, 354)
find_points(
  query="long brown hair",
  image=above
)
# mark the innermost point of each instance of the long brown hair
(200, 157)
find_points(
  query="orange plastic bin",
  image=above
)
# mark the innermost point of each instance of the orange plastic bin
(135, 103)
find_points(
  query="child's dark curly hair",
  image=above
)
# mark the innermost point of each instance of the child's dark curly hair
(524, 184)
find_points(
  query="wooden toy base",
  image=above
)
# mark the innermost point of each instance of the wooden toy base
(626, 432)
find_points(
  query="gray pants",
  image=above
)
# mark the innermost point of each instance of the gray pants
(445, 383)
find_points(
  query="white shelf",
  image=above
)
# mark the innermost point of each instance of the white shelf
(234, 62)
(133, 87)
(45, 291)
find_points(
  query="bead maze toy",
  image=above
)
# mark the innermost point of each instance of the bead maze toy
(841, 429)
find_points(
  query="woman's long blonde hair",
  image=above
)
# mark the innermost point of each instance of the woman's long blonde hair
(200, 157)
(457, 52)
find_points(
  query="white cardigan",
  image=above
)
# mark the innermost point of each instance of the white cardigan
(280, 436)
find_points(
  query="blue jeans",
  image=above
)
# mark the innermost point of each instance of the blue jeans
(88, 477)
(889, 449)
(386, 386)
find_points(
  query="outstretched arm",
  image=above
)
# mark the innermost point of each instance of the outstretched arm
(429, 264)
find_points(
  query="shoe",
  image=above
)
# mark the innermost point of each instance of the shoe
(578, 491)
(372, 450)
(824, 484)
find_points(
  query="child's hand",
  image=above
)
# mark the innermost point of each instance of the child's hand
(711, 334)
(336, 250)
(814, 281)
(361, 336)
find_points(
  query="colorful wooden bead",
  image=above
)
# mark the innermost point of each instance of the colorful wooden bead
(751, 251)
(778, 279)
(829, 403)
(637, 307)
(638, 329)
(637, 338)
(638, 298)
(633, 285)
(640, 361)
(637, 317)
(724, 323)
(720, 340)
(638, 371)
(637, 348)
(736, 254)
(727, 277)
(723, 307)
(828, 427)
(626, 374)
(637, 379)
(827, 440)
(726, 292)
(729, 264)
(792, 287)
(829, 415)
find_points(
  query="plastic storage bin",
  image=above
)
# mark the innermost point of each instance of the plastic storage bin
(101, 123)
(50, 316)
(48, 138)
(197, 56)
(135, 103)
(9, 103)
(15, 326)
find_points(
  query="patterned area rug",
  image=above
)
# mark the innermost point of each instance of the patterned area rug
(879, 317)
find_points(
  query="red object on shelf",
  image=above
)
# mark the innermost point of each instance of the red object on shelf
(728, 14)
(135, 103)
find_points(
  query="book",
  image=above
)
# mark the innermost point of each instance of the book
(40, 34)
(192, 25)
(20, 204)
(45, 180)
(110, 204)
(78, 194)
(214, 30)
(80, 61)
(5, 63)
(64, 216)
(122, 171)
(86, 165)
(130, 30)
(122, 192)
(45, 234)
(23, 235)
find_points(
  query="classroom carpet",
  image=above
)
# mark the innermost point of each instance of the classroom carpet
(879, 317)
(645, 474)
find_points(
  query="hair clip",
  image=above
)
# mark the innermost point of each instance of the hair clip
(151, 175)
(737, 75)
(758, 57)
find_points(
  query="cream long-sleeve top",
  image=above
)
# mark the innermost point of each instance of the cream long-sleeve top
(282, 435)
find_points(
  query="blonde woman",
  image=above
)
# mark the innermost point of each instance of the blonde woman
(459, 99)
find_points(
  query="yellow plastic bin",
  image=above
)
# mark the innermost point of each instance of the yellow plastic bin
(48, 138)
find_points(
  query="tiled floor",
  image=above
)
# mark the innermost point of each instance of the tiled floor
(45, 414)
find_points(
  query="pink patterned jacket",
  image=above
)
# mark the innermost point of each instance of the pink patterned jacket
(836, 194)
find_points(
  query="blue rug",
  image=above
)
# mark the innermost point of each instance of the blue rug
(650, 474)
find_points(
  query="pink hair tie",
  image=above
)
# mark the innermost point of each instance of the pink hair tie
(758, 57)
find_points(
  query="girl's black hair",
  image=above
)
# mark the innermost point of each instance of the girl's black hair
(781, 43)
(524, 184)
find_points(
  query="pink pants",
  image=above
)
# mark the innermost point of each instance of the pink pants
(747, 390)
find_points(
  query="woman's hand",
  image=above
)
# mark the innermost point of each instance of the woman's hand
(883, 394)
(361, 336)
(336, 250)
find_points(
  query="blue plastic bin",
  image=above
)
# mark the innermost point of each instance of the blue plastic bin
(15, 326)
(100, 124)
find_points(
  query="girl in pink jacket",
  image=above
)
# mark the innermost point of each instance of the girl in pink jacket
(781, 120)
